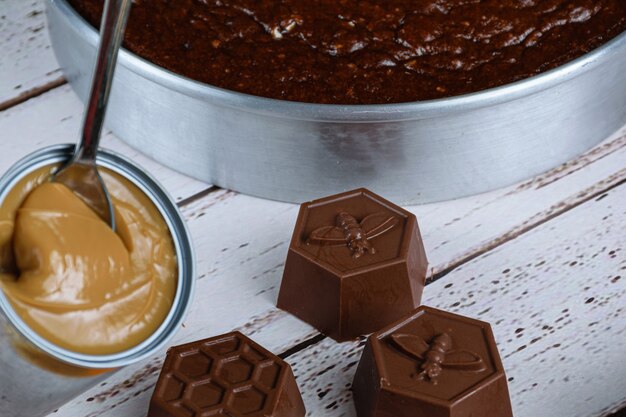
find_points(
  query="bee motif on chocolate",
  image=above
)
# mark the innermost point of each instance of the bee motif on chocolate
(437, 355)
(356, 235)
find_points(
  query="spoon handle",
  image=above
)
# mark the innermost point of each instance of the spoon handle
(114, 19)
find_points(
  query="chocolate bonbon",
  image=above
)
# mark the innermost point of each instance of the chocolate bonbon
(356, 263)
(228, 376)
(432, 363)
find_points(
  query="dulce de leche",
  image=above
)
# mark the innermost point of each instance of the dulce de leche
(75, 281)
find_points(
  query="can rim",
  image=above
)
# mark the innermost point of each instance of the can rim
(180, 236)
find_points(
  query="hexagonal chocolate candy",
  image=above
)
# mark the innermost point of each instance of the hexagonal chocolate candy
(225, 376)
(432, 364)
(356, 263)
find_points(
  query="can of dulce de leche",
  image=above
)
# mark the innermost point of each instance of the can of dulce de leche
(77, 299)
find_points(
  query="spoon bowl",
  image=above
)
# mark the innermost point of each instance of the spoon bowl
(85, 181)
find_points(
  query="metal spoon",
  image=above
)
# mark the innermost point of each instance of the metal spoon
(80, 174)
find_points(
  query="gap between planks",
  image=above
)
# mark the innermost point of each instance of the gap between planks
(32, 93)
(523, 289)
(584, 197)
(61, 81)
(466, 257)
(197, 196)
(616, 147)
(596, 191)
(534, 223)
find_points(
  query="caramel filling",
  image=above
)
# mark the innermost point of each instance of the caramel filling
(72, 279)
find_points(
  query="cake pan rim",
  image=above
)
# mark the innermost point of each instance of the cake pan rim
(346, 113)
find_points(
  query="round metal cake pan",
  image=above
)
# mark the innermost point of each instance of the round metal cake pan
(410, 153)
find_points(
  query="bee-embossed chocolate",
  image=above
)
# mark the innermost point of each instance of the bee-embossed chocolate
(432, 363)
(356, 263)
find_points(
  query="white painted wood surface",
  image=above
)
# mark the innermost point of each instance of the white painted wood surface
(55, 117)
(243, 267)
(535, 230)
(556, 298)
(27, 63)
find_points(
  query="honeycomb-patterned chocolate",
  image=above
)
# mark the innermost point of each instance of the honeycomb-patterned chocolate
(228, 376)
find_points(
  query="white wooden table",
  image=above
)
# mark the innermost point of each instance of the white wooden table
(544, 261)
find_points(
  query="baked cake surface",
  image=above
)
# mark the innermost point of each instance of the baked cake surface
(364, 51)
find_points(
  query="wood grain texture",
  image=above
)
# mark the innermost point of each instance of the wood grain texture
(27, 65)
(556, 298)
(55, 117)
(241, 244)
(506, 213)
(127, 393)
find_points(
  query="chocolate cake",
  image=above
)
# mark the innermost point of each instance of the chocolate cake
(364, 52)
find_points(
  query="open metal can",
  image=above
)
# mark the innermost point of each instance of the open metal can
(36, 376)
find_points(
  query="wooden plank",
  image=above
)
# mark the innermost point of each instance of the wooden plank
(55, 117)
(556, 297)
(241, 244)
(56, 112)
(504, 214)
(28, 66)
(458, 231)
(127, 393)
(234, 290)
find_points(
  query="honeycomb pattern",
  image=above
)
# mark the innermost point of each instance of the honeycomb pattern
(207, 395)
(248, 401)
(236, 370)
(226, 376)
(194, 364)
